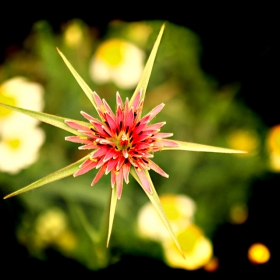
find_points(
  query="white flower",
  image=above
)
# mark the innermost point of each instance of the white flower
(197, 248)
(19, 146)
(20, 92)
(117, 61)
(179, 210)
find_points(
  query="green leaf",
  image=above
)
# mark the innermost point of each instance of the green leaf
(47, 118)
(113, 205)
(144, 80)
(157, 204)
(57, 175)
(194, 147)
(92, 233)
(81, 82)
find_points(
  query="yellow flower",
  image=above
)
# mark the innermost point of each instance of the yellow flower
(51, 228)
(196, 247)
(244, 139)
(273, 145)
(273, 139)
(118, 61)
(19, 146)
(179, 210)
(20, 92)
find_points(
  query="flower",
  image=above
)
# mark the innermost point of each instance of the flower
(273, 146)
(121, 141)
(19, 146)
(245, 140)
(179, 210)
(118, 61)
(197, 248)
(118, 142)
(20, 92)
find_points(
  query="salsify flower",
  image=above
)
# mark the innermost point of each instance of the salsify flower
(122, 143)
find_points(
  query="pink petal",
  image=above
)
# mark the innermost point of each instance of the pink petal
(126, 169)
(107, 108)
(119, 117)
(85, 169)
(88, 147)
(87, 161)
(157, 169)
(113, 179)
(100, 152)
(129, 118)
(169, 143)
(110, 154)
(120, 163)
(78, 139)
(76, 125)
(111, 122)
(125, 153)
(111, 165)
(106, 142)
(126, 106)
(100, 163)
(97, 99)
(155, 111)
(107, 131)
(97, 125)
(162, 135)
(154, 126)
(139, 127)
(119, 100)
(119, 183)
(136, 101)
(98, 175)
(87, 116)
(144, 180)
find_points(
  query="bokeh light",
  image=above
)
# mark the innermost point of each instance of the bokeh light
(258, 253)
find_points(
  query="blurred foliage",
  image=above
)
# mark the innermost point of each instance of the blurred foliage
(197, 110)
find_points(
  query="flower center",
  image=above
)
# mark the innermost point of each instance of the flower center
(124, 140)
(8, 100)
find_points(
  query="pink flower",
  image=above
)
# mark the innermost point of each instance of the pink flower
(121, 141)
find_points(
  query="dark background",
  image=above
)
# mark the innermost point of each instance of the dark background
(239, 44)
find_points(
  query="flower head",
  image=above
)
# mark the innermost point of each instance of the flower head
(121, 141)
(19, 147)
(18, 91)
(118, 61)
(19, 144)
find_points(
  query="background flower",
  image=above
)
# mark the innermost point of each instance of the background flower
(118, 61)
(19, 145)
(197, 248)
(20, 139)
(180, 210)
(20, 92)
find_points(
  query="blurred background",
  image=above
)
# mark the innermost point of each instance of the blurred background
(216, 74)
